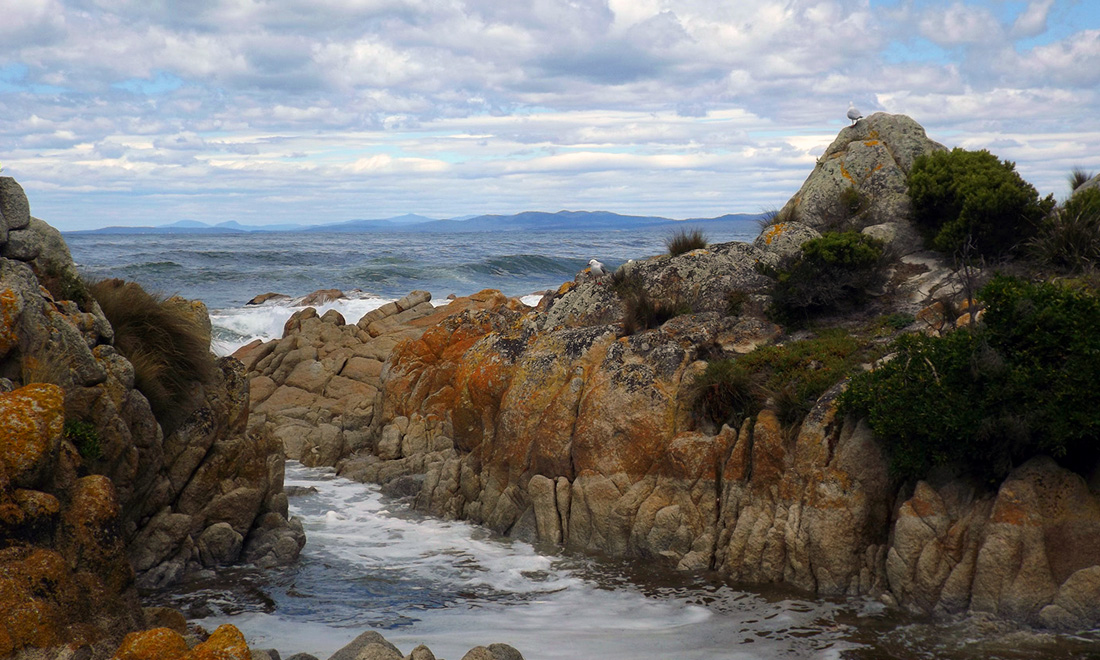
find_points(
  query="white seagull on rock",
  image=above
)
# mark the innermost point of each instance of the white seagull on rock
(596, 268)
(853, 113)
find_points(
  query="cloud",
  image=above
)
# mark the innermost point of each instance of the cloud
(684, 107)
(1033, 20)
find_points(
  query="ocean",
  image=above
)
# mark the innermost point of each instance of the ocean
(225, 271)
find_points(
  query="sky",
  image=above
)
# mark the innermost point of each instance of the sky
(145, 112)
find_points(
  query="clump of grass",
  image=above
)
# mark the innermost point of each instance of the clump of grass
(683, 240)
(735, 301)
(726, 393)
(1078, 177)
(1069, 238)
(85, 438)
(774, 216)
(169, 350)
(641, 312)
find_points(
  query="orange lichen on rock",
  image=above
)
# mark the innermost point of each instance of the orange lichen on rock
(35, 589)
(10, 310)
(31, 423)
(227, 643)
(155, 644)
(774, 232)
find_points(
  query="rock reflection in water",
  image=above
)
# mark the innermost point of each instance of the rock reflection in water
(373, 563)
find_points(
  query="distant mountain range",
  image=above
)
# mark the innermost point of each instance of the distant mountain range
(526, 221)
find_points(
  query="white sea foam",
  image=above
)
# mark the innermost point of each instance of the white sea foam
(235, 327)
(370, 562)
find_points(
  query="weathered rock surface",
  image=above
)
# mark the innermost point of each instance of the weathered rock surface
(550, 425)
(314, 390)
(872, 157)
(93, 497)
(373, 646)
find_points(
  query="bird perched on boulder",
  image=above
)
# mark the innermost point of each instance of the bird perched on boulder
(596, 268)
(853, 113)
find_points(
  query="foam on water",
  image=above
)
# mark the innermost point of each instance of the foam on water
(372, 563)
(236, 327)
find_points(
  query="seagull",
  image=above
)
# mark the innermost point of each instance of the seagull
(596, 268)
(853, 113)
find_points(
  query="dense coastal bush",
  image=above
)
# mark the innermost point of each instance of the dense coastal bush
(792, 376)
(1069, 237)
(831, 271)
(167, 347)
(683, 241)
(964, 199)
(987, 398)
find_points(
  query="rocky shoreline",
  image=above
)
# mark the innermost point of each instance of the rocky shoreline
(551, 425)
(557, 424)
(227, 643)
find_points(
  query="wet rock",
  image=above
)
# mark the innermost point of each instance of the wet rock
(268, 298)
(321, 296)
(219, 544)
(368, 646)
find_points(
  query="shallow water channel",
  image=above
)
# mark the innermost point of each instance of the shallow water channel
(370, 562)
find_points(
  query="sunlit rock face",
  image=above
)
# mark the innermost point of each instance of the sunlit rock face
(860, 180)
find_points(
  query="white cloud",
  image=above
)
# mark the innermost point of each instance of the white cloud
(961, 25)
(1033, 20)
(683, 107)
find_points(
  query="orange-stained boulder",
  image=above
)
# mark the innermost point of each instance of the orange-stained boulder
(31, 420)
(155, 644)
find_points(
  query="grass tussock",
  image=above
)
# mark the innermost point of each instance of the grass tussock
(169, 350)
(642, 312)
(1069, 238)
(683, 240)
(1078, 177)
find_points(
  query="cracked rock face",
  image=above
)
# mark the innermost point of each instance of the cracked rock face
(873, 158)
(89, 514)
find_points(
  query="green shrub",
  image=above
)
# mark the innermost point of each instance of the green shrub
(85, 438)
(852, 202)
(169, 350)
(64, 284)
(682, 241)
(831, 271)
(1069, 237)
(792, 375)
(988, 398)
(970, 198)
(898, 320)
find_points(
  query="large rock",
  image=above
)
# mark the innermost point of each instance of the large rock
(1094, 182)
(871, 159)
(315, 389)
(88, 481)
(1027, 552)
